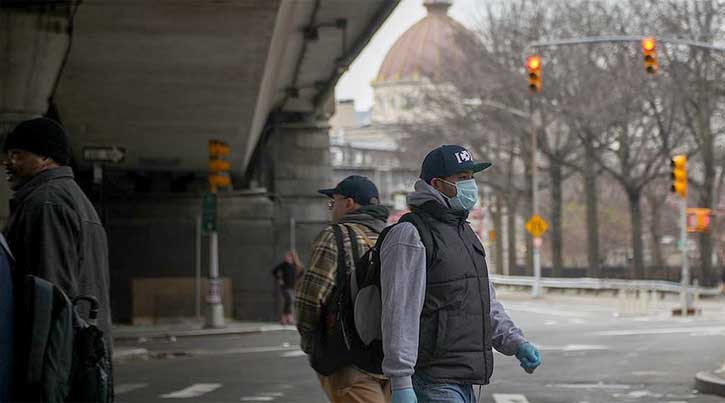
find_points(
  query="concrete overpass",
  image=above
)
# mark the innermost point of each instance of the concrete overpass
(160, 78)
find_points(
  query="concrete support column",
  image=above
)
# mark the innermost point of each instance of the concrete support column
(34, 40)
(33, 43)
(302, 165)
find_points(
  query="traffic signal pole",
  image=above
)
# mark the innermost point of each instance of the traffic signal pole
(685, 296)
(536, 289)
(218, 177)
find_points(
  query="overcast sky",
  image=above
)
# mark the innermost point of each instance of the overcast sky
(355, 84)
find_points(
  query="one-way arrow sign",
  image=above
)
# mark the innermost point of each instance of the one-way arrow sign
(104, 154)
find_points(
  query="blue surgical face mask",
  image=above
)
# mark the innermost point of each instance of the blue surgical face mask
(466, 194)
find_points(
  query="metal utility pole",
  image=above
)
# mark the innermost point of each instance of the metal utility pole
(536, 289)
(685, 296)
(218, 177)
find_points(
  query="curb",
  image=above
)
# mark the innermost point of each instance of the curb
(710, 382)
(167, 334)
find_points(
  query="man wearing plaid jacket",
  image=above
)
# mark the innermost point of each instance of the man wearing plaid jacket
(354, 202)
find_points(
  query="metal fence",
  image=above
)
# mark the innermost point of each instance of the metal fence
(599, 284)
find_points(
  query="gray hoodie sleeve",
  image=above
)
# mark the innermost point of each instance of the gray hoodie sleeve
(507, 337)
(402, 279)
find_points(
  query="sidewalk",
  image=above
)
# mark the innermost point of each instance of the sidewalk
(123, 334)
(712, 382)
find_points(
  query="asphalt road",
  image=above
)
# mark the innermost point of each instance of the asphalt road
(590, 354)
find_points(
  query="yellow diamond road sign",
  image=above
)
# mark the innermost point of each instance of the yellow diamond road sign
(536, 226)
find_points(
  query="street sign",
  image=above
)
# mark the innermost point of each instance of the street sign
(214, 292)
(536, 226)
(104, 154)
(208, 212)
(492, 236)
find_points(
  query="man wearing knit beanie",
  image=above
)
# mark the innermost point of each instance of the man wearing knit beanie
(53, 230)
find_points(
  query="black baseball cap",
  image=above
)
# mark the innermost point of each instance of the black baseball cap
(448, 160)
(359, 188)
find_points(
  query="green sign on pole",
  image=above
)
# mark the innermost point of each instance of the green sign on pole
(208, 212)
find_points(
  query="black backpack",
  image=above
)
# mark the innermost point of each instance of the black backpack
(353, 316)
(60, 356)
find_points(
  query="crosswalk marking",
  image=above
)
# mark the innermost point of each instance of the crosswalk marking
(195, 390)
(509, 398)
(128, 387)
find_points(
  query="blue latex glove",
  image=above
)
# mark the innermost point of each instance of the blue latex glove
(529, 357)
(406, 395)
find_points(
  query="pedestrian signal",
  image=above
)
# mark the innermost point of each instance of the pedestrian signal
(698, 219)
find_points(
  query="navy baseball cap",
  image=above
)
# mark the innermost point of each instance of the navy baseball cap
(359, 188)
(448, 160)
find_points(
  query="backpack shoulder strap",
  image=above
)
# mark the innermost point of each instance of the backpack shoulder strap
(426, 236)
(42, 313)
(341, 254)
(6, 248)
(354, 281)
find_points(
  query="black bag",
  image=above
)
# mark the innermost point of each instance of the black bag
(330, 352)
(350, 329)
(66, 359)
(360, 302)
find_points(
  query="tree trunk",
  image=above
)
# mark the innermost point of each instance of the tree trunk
(497, 215)
(655, 227)
(529, 214)
(592, 205)
(635, 215)
(557, 244)
(707, 200)
(511, 232)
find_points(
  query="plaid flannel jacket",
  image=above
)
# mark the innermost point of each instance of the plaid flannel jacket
(319, 279)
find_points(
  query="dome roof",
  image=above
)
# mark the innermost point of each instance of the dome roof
(429, 48)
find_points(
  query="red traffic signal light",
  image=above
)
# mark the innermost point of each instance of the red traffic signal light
(533, 67)
(649, 51)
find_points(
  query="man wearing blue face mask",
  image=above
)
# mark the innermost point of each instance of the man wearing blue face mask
(440, 317)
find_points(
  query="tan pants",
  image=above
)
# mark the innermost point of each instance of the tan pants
(350, 385)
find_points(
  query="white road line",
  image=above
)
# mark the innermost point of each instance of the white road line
(246, 350)
(574, 347)
(195, 390)
(676, 330)
(547, 311)
(128, 387)
(296, 353)
(599, 385)
(507, 398)
(257, 399)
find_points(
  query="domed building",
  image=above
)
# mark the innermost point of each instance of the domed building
(427, 56)
(430, 53)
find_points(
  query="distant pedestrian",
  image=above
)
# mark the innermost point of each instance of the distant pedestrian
(286, 275)
(53, 230)
(440, 317)
(356, 212)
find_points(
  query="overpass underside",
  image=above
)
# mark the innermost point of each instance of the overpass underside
(156, 80)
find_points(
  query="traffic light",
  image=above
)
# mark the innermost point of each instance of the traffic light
(649, 51)
(218, 168)
(698, 219)
(679, 175)
(533, 67)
